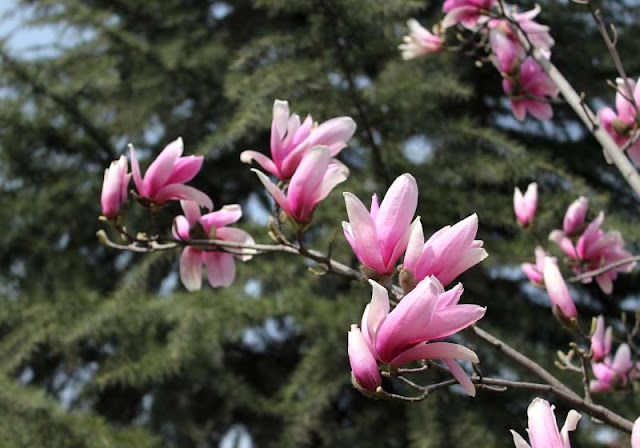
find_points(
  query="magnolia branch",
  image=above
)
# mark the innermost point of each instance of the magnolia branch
(553, 385)
(604, 269)
(578, 105)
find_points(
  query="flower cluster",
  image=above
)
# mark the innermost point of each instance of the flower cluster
(427, 312)
(622, 125)
(589, 247)
(528, 87)
(610, 373)
(302, 155)
(543, 428)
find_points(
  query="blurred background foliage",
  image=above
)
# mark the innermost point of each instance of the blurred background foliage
(105, 349)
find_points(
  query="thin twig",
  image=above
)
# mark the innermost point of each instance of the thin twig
(604, 269)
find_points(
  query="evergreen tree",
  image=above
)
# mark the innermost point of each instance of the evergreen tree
(100, 348)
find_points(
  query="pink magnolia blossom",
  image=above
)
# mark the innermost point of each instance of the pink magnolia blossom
(535, 272)
(528, 90)
(557, 288)
(575, 216)
(506, 53)
(538, 34)
(621, 125)
(364, 366)
(221, 269)
(314, 179)
(380, 236)
(420, 41)
(114, 187)
(543, 428)
(291, 140)
(635, 434)
(165, 177)
(468, 13)
(525, 205)
(601, 340)
(426, 313)
(610, 374)
(595, 248)
(447, 254)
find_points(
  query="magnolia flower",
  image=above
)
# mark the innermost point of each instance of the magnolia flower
(543, 429)
(609, 374)
(557, 288)
(165, 177)
(505, 52)
(291, 140)
(595, 248)
(380, 236)
(535, 272)
(364, 366)
(114, 187)
(426, 313)
(314, 179)
(537, 34)
(221, 269)
(420, 41)
(465, 12)
(576, 213)
(621, 125)
(601, 340)
(447, 254)
(525, 205)
(528, 90)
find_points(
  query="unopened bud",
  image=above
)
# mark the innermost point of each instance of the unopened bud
(570, 323)
(407, 280)
(622, 128)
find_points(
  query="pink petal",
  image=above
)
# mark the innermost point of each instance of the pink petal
(191, 268)
(363, 363)
(336, 174)
(238, 236)
(518, 441)
(635, 434)
(450, 320)
(191, 211)
(275, 192)
(262, 160)
(135, 170)
(451, 297)
(378, 310)
(414, 247)
(364, 234)
(334, 132)
(543, 429)
(221, 269)
(557, 288)
(160, 169)
(181, 228)
(225, 216)
(622, 360)
(396, 212)
(185, 169)
(306, 182)
(182, 192)
(461, 376)
(436, 350)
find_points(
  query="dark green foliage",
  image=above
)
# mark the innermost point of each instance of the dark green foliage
(99, 348)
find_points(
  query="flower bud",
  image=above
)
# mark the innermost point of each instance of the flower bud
(574, 218)
(525, 205)
(114, 187)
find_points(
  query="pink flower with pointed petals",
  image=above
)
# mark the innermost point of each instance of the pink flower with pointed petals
(427, 313)
(221, 269)
(635, 434)
(543, 429)
(528, 91)
(538, 34)
(595, 248)
(364, 366)
(380, 236)
(535, 272)
(576, 213)
(610, 374)
(314, 179)
(166, 176)
(447, 254)
(622, 124)
(420, 41)
(114, 187)
(557, 288)
(601, 340)
(506, 53)
(525, 205)
(291, 140)
(466, 12)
